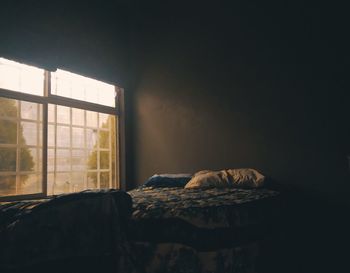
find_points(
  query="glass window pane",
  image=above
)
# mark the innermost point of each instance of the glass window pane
(104, 139)
(104, 180)
(78, 160)
(92, 160)
(50, 160)
(70, 85)
(61, 185)
(20, 77)
(104, 160)
(91, 139)
(92, 180)
(104, 120)
(31, 136)
(8, 132)
(28, 159)
(51, 113)
(51, 135)
(78, 138)
(29, 110)
(8, 159)
(30, 184)
(7, 184)
(8, 108)
(77, 116)
(63, 160)
(91, 119)
(63, 114)
(78, 181)
(63, 136)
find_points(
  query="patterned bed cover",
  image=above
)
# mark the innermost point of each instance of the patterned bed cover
(210, 208)
(201, 231)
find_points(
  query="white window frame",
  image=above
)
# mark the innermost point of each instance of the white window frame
(48, 98)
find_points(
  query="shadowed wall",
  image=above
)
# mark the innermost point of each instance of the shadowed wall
(225, 86)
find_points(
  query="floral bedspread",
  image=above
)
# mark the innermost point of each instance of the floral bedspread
(210, 208)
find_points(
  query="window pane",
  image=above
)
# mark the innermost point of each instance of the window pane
(104, 180)
(7, 185)
(63, 160)
(63, 114)
(20, 163)
(78, 160)
(8, 108)
(78, 117)
(8, 132)
(91, 138)
(20, 77)
(50, 160)
(92, 180)
(92, 160)
(8, 159)
(29, 110)
(51, 135)
(104, 120)
(30, 184)
(78, 137)
(51, 113)
(104, 139)
(78, 181)
(91, 119)
(61, 184)
(70, 85)
(63, 136)
(28, 159)
(30, 133)
(104, 160)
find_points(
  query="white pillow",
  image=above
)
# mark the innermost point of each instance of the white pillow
(234, 178)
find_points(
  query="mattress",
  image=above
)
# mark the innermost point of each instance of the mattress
(204, 219)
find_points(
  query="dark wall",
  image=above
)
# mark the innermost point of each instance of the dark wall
(86, 37)
(244, 85)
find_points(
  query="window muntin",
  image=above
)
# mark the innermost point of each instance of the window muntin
(20, 147)
(70, 85)
(74, 148)
(21, 77)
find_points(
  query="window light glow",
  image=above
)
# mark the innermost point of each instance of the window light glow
(20, 77)
(70, 85)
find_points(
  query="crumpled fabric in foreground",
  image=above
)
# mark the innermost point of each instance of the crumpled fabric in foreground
(81, 226)
(178, 258)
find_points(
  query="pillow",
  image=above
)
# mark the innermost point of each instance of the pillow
(168, 180)
(234, 178)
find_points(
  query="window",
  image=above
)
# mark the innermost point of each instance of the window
(59, 132)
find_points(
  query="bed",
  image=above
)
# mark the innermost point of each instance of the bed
(174, 229)
(161, 228)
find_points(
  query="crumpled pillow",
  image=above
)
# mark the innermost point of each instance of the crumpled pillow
(231, 178)
(167, 180)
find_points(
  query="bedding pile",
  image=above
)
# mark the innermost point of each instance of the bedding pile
(79, 229)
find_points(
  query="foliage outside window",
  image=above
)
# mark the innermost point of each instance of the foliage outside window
(58, 132)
